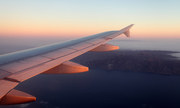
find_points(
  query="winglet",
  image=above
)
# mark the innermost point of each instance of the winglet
(126, 30)
(127, 33)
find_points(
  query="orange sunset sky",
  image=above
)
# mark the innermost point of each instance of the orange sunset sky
(73, 18)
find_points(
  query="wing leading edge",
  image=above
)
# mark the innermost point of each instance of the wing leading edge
(19, 66)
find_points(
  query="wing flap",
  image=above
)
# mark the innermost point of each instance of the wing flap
(6, 86)
(4, 74)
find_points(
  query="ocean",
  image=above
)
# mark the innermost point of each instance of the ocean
(99, 88)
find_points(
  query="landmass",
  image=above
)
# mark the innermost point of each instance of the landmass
(160, 62)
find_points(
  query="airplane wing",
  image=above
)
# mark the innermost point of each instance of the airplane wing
(50, 59)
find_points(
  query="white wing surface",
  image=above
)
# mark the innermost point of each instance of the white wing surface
(51, 59)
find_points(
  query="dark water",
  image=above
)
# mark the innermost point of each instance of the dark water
(103, 89)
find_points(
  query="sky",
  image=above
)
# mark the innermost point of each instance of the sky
(77, 18)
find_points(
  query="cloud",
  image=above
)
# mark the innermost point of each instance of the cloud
(17, 106)
(24, 105)
(43, 102)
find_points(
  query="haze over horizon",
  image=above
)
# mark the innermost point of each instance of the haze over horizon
(77, 18)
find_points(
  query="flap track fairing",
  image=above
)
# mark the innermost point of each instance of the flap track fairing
(67, 67)
(16, 97)
(105, 47)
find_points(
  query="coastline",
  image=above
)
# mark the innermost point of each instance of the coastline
(160, 62)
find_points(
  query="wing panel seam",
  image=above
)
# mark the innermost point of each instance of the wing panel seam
(54, 59)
